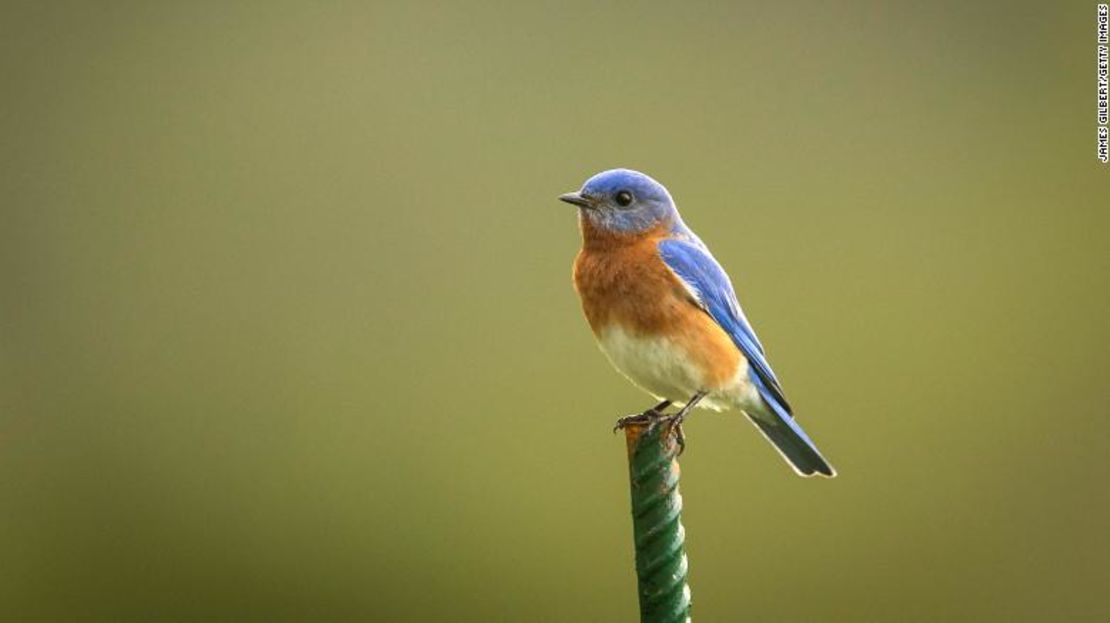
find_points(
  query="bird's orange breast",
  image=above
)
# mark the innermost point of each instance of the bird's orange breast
(622, 280)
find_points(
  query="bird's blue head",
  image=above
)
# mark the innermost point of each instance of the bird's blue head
(624, 201)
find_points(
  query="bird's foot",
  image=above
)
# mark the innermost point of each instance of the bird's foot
(674, 423)
(650, 417)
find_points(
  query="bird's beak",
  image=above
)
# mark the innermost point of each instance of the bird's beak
(577, 199)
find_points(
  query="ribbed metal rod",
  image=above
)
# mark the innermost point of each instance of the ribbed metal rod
(661, 564)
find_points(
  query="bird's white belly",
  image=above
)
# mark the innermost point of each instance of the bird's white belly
(662, 368)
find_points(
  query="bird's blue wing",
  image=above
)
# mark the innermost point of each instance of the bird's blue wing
(707, 281)
(711, 289)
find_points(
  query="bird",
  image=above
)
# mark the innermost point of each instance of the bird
(666, 315)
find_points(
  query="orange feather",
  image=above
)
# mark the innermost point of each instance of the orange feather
(621, 279)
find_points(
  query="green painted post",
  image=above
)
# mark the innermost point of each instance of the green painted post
(656, 523)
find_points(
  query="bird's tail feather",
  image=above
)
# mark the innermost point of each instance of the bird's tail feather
(792, 442)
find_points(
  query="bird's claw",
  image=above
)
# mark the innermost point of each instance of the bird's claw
(650, 417)
(653, 418)
(674, 426)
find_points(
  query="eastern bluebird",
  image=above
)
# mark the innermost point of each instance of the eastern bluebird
(665, 314)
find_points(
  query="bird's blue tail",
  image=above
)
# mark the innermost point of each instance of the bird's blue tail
(779, 427)
(793, 444)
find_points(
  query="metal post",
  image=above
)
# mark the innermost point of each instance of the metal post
(656, 523)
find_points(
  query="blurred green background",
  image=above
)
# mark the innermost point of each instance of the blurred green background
(287, 330)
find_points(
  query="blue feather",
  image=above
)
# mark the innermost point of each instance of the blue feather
(695, 265)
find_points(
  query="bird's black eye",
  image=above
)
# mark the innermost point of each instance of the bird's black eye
(624, 198)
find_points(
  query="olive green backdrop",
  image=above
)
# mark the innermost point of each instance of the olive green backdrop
(287, 330)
